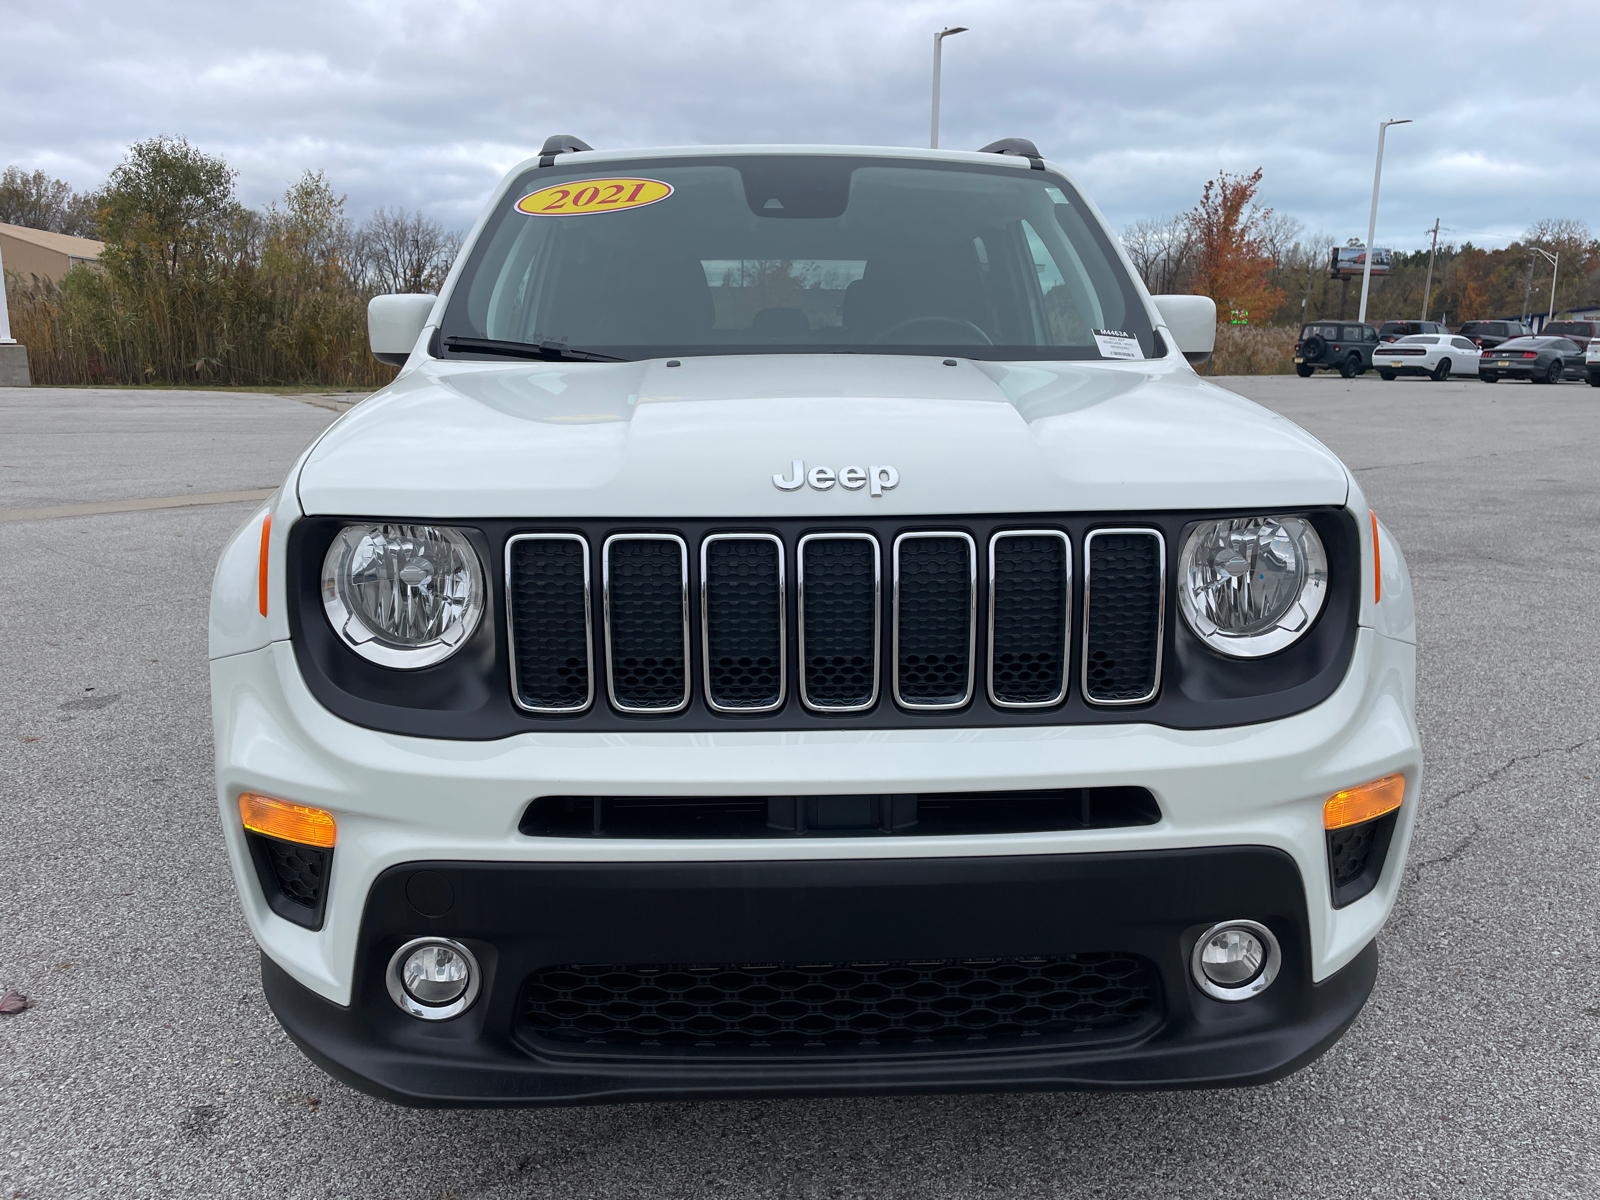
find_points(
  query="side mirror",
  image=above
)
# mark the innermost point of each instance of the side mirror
(394, 323)
(1192, 321)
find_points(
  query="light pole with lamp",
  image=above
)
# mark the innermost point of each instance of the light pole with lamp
(1555, 267)
(1372, 221)
(938, 54)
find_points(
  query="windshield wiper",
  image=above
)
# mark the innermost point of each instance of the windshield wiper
(548, 351)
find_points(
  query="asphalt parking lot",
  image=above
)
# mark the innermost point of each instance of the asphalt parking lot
(149, 1065)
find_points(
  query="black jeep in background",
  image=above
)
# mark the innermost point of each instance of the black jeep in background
(1488, 334)
(1334, 346)
(1393, 331)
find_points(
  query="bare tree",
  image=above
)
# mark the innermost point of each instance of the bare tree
(39, 202)
(1162, 251)
(401, 252)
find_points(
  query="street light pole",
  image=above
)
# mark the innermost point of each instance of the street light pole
(938, 54)
(1555, 262)
(1427, 288)
(1372, 221)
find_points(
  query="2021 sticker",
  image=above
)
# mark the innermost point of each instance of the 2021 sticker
(593, 196)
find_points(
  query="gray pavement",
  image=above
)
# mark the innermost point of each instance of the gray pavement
(150, 1067)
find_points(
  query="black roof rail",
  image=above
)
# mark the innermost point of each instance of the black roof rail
(560, 143)
(1021, 147)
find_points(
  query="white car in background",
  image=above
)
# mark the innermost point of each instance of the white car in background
(1435, 355)
(1591, 362)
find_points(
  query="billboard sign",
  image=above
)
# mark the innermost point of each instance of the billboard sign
(1350, 261)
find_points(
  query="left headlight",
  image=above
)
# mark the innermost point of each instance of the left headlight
(402, 596)
(1251, 586)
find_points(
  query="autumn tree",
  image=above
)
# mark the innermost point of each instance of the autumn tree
(1232, 255)
(40, 202)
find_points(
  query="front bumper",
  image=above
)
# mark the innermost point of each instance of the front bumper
(520, 918)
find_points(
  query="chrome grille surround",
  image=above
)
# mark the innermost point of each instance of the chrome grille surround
(877, 619)
(588, 625)
(1066, 616)
(1161, 611)
(965, 697)
(606, 603)
(707, 651)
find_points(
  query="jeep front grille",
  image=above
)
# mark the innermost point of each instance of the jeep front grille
(547, 584)
(840, 606)
(647, 622)
(853, 640)
(742, 611)
(935, 616)
(1123, 608)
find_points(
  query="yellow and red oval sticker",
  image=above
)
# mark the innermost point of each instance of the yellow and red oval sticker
(593, 196)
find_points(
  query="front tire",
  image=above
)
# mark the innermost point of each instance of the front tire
(1441, 373)
(1350, 367)
(1304, 372)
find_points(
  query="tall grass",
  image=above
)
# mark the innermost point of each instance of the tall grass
(1247, 350)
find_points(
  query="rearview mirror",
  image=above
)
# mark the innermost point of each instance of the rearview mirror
(394, 323)
(1192, 321)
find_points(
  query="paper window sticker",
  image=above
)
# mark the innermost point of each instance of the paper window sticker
(1115, 343)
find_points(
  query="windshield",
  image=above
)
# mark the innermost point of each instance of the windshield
(1419, 339)
(1579, 327)
(798, 253)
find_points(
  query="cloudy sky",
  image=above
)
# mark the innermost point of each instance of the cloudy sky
(426, 104)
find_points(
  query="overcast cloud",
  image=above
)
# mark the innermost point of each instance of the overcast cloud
(427, 104)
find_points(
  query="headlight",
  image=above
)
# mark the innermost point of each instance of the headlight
(402, 595)
(1250, 586)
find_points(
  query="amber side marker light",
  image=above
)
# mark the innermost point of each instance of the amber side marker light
(261, 571)
(1378, 568)
(1355, 805)
(285, 821)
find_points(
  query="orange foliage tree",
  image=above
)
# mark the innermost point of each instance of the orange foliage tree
(1232, 259)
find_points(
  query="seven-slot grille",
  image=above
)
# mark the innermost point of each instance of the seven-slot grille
(741, 653)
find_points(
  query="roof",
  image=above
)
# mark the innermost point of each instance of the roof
(61, 243)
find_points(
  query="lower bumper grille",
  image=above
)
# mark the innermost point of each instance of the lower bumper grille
(845, 1004)
(294, 878)
(1356, 855)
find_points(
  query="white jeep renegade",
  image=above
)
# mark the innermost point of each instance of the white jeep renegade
(797, 624)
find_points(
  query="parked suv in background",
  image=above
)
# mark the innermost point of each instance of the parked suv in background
(1492, 333)
(1591, 362)
(1581, 332)
(1393, 331)
(1334, 346)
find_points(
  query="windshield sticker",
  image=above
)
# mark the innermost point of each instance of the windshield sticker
(1114, 343)
(588, 196)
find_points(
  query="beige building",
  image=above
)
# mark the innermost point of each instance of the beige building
(47, 255)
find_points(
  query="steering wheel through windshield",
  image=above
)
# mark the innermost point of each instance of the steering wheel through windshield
(889, 336)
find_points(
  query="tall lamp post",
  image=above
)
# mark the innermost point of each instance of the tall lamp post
(1555, 264)
(1372, 221)
(938, 54)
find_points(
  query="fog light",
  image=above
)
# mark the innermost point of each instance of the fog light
(1236, 960)
(433, 978)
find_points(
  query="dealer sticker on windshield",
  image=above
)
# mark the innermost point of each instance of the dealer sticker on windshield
(1114, 343)
(588, 196)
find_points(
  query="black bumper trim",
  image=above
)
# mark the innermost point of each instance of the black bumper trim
(520, 917)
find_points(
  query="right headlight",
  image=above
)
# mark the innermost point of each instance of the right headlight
(403, 596)
(1251, 586)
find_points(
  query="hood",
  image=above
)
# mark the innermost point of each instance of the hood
(705, 439)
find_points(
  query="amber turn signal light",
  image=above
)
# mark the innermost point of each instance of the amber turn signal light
(1355, 805)
(287, 822)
